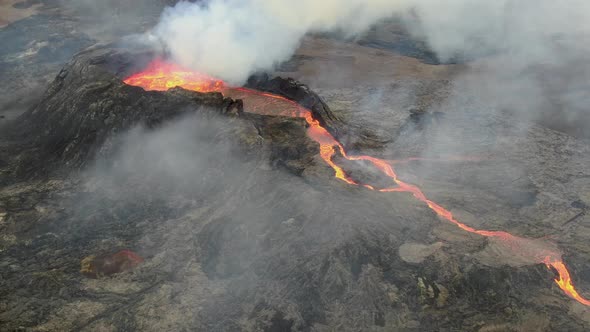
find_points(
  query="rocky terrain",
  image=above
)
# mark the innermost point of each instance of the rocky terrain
(242, 226)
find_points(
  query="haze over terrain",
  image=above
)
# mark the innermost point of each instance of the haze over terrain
(231, 218)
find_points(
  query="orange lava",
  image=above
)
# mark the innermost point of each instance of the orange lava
(161, 75)
(565, 281)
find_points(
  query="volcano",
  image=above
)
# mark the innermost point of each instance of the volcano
(161, 76)
(256, 207)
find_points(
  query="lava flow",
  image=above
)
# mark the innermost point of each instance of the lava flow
(161, 75)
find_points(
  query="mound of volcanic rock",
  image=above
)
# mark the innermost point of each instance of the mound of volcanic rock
(291, 89)
(88, 105)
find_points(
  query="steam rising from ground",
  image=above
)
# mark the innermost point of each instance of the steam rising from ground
(530, 31)
(232, 39)
(530, 57)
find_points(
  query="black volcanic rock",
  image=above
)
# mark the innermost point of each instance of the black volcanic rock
(291, 89)
(88, 104)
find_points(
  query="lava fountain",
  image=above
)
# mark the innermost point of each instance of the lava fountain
(160, 75)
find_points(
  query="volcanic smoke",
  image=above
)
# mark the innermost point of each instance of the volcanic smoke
(161, 76)
(207, 35)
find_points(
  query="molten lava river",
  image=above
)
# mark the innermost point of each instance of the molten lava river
(161, 76)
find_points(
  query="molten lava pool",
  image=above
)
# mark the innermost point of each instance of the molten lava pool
(161, 76)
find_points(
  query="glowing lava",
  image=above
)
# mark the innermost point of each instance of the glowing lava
(160, 75)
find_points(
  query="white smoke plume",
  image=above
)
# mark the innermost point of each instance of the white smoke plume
(540, 31)
(232, 39)
(529, 57)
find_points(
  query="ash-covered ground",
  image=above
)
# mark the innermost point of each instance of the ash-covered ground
(240, 223)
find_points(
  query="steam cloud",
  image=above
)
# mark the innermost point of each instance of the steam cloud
(231, 39)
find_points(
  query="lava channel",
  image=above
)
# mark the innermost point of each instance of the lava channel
(160, 75)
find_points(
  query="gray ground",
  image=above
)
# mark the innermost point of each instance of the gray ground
(237, 238)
